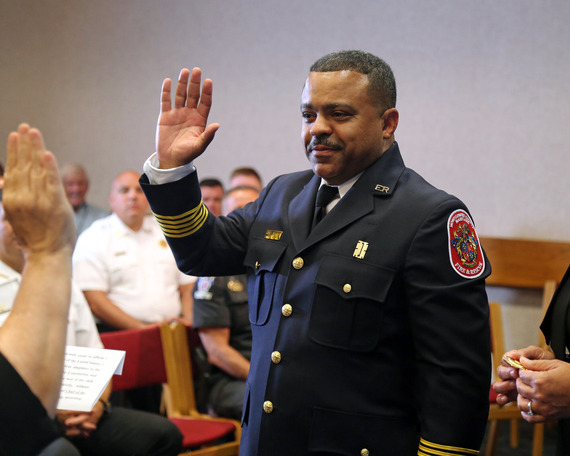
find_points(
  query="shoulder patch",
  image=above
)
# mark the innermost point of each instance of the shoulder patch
(202, 288)
(465, 252)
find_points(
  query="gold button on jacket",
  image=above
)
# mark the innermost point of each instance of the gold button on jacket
(276, 357)
(298, 263)
(287, 310)
(268, 407)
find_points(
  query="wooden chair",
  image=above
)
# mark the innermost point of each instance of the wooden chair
(177, 342)
(146, 364)
(519, 263)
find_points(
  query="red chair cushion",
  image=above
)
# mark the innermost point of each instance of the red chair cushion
(492, 396)
(201, 432)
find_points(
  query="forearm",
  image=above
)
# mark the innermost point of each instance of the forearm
(112, 315)
(41, 308)
(230, 361)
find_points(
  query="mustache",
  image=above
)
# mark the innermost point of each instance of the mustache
(323, 142)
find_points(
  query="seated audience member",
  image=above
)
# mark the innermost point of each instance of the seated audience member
(246, 177)
(76, 184)
(128, 274)
(103, 431)
(542, 386)
(32, 339)
(125, 268)
(221, 317)
(212, 195)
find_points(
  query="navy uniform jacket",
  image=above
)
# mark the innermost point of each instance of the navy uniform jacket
(366, 340)
(556, 329)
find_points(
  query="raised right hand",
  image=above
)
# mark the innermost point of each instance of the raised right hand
(34, 200)
(182, 134)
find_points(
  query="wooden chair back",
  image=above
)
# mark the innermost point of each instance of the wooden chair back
(177, 342)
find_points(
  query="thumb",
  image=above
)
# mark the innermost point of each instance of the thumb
(537, 364)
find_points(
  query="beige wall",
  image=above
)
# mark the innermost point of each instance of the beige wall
(484, 89)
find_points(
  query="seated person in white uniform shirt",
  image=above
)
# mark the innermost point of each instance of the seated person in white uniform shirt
(125, 268)
(103, 431)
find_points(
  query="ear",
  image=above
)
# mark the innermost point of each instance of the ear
(390, 118)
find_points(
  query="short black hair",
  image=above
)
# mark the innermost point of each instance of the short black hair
(382, 84)
(211, 182)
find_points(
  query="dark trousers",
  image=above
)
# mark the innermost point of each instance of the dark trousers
(126, 432)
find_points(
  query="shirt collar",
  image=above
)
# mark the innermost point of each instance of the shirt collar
(346, 186)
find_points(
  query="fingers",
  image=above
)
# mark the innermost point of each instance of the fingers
(165, 101)
(507, 372)
(530, 410)
(12, 151)
(25, 150)
(188, 92)
(206, 98)
(181, 86)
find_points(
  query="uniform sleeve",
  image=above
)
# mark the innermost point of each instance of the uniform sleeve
(202, 244)
(89, 269)
(210, 308)
(449, 311)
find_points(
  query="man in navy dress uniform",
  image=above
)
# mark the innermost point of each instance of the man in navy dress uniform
(368, 308)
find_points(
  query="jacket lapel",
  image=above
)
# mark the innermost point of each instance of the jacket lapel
(301, 209)
(379, 180)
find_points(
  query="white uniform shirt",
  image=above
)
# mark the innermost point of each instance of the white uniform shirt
(81, 329)
(136, 269)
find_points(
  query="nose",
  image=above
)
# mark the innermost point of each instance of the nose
(320, 126)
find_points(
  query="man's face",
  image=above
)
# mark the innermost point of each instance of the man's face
(212, 198)
(127, 199)
(75, 186)
(342, 127)
(239, 198)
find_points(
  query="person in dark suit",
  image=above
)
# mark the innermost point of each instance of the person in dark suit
(368, 309)
(542, 388)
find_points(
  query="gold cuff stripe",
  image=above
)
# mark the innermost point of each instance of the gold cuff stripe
(185, 224)
(190, 213)
(429, 448)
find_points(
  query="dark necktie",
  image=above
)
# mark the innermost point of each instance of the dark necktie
(325, 195)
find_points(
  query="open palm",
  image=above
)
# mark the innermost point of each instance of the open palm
(182, 132)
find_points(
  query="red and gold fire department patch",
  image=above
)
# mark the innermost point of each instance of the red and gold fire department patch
(465, 251)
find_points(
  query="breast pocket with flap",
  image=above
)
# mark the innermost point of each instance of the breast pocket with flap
(348, 306)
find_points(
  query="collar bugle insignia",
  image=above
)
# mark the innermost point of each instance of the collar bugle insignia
(382, 188)
(273, 235)
(360, 250)
(465, 252)
(162, 243)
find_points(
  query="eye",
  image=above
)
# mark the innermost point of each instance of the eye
(307, 116)
(340, 115)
